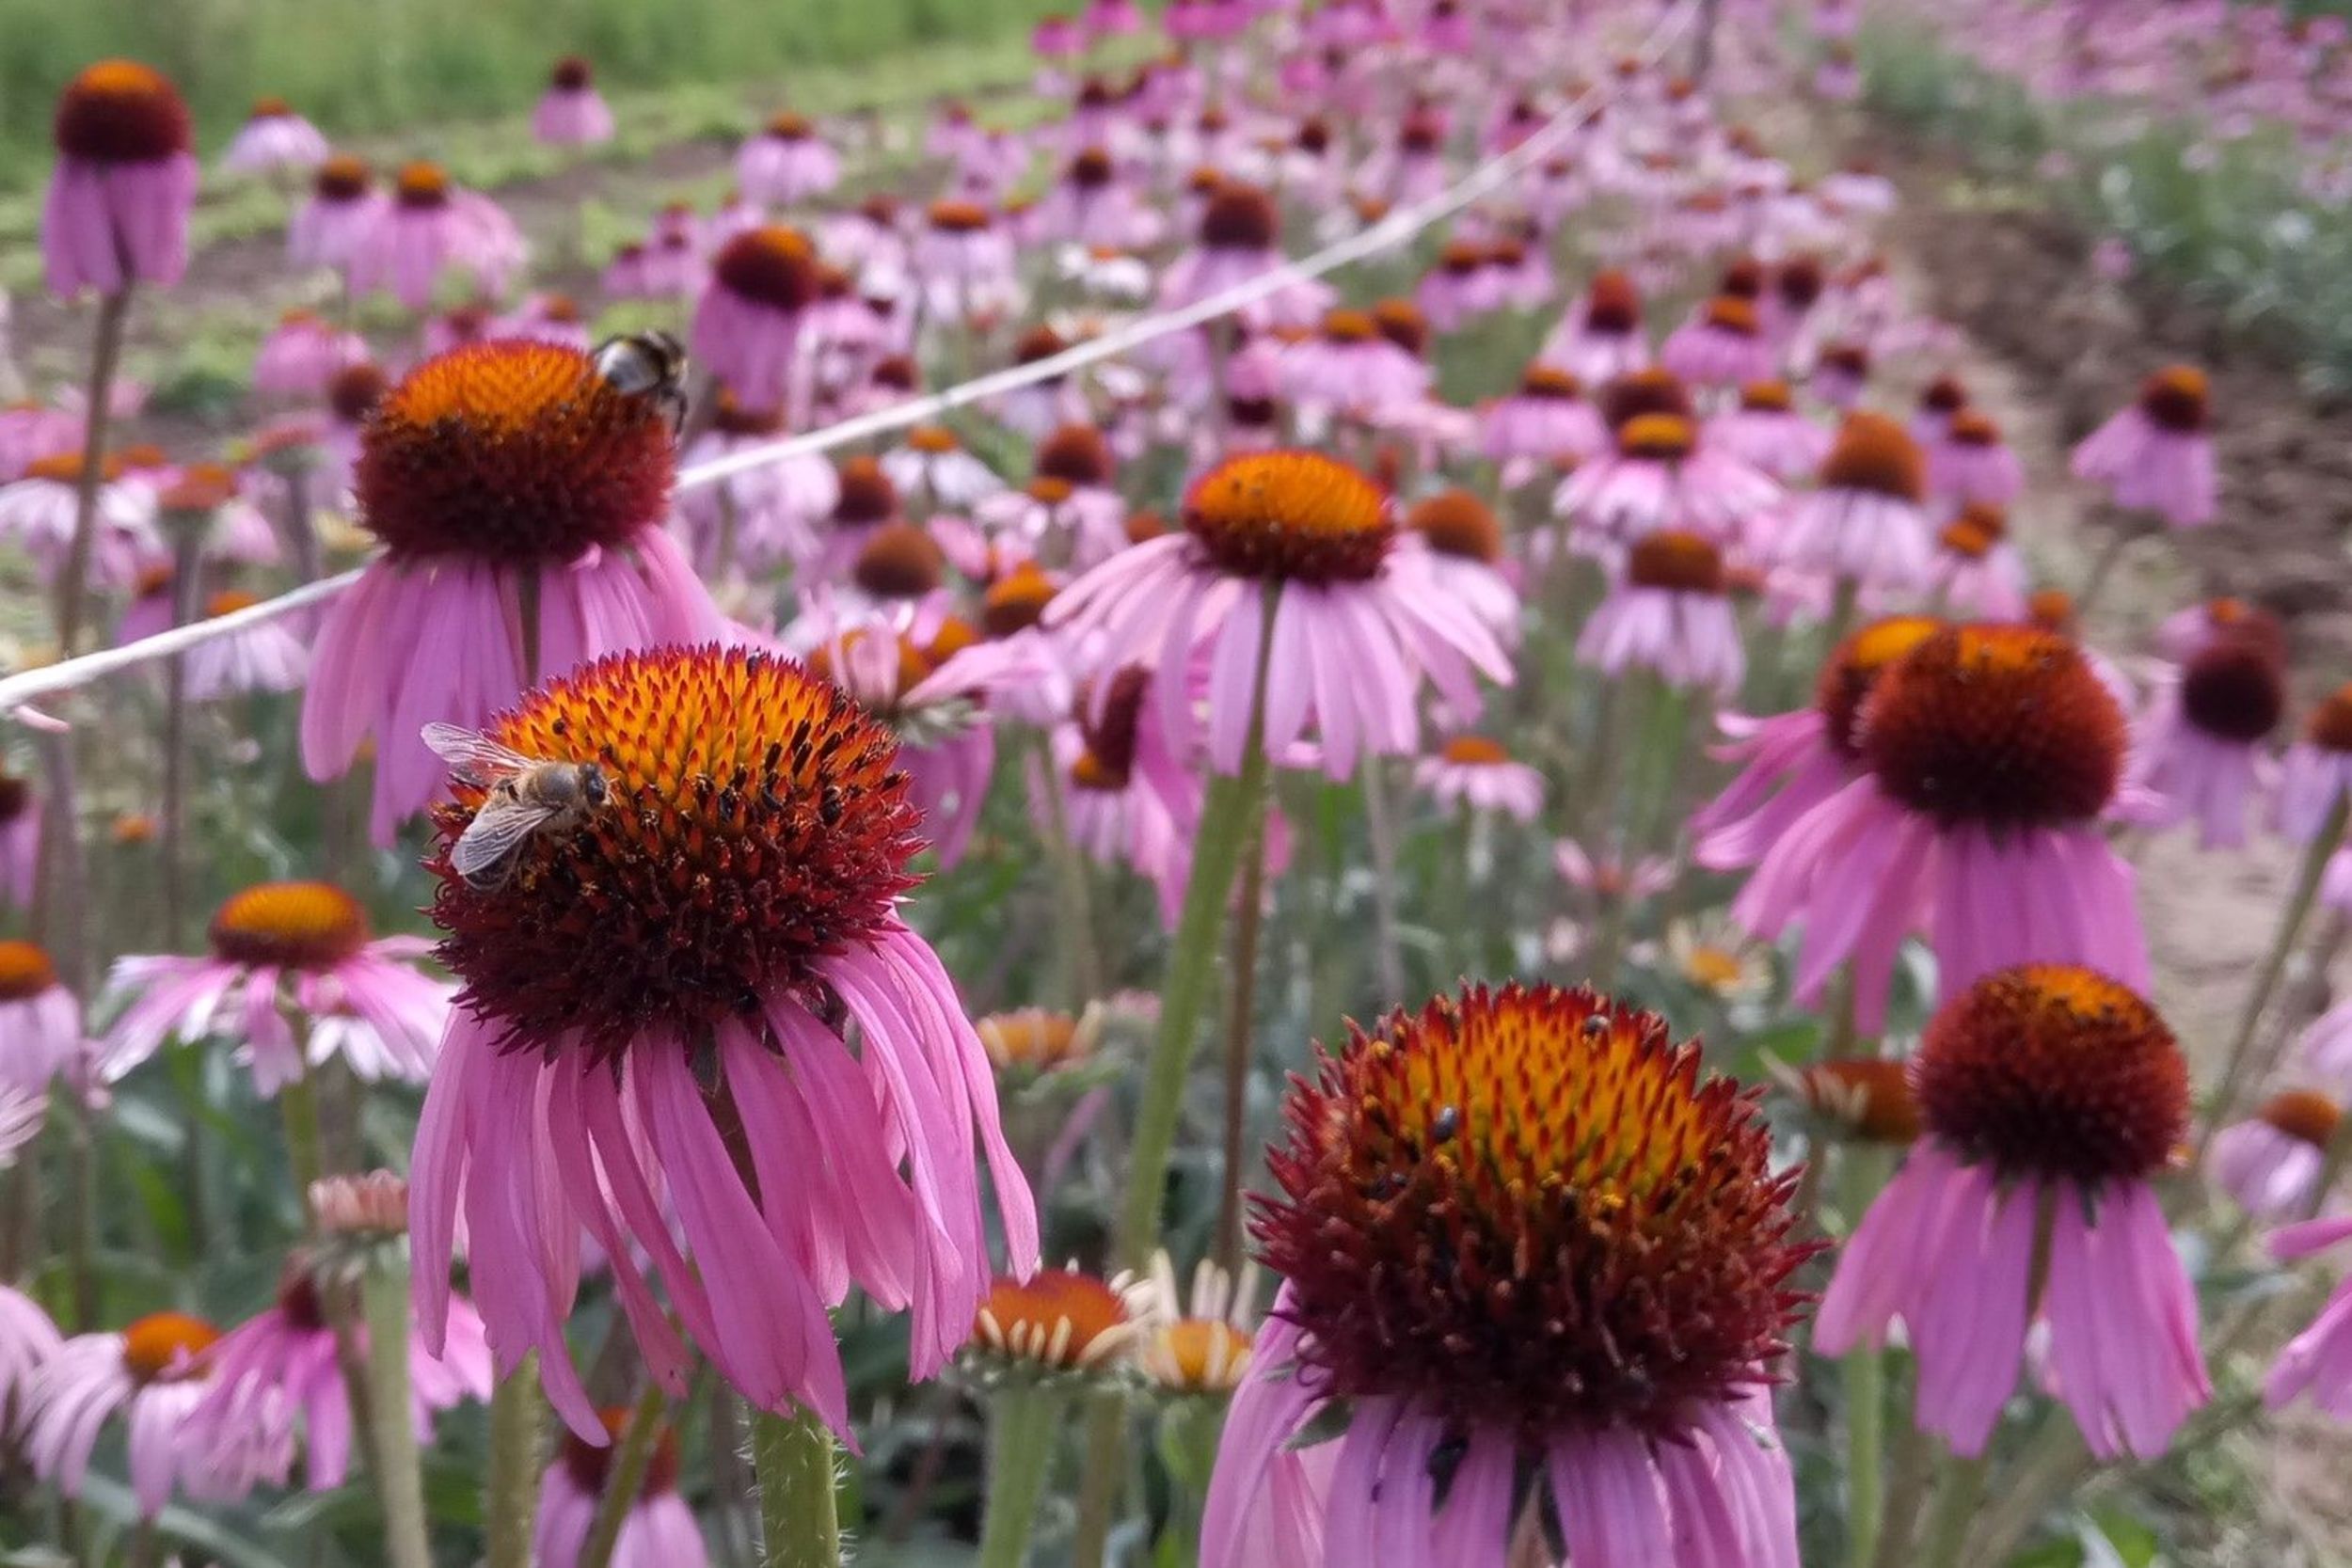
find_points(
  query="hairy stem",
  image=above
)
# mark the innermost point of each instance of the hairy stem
(793, 1457)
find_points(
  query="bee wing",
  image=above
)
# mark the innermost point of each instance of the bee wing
(495, 832)
(470, 749)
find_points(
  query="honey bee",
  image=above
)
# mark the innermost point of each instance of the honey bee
(649, 365)
(526, 796)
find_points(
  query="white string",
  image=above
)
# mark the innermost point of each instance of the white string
(1393, 230)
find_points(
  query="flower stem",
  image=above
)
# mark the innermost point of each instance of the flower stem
(513, 1500)
(1248, 918)
(1906, 1483)
(399, 1474)
(2298, 909)
(299, 1103)
(2120, 538)
(1020, 1453)
(1380, 827)
(1235, 803)
(186, 568)
(1959, 1493)
(1861, 1170)
(1081, 966)
(106, 355)
(793, 1457)
(625, 1479)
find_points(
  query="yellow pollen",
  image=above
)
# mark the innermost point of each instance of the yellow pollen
(1032, 1038)
(1661, 437)
(1198, 1356)
(295, 925)
(1058, 1319)
(934, 440)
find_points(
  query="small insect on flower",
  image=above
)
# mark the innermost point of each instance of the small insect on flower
(526, 796)
(649, 365)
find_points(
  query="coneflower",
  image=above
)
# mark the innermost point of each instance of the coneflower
(2049, 1095)
(1516, 1231)
(748, 864)
(117, 208)
(1989, 755)
(520, 499)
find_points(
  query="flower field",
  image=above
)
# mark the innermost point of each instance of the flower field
(1430, 784)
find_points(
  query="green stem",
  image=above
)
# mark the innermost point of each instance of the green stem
(1020, 1453)
(513, 1499)
(2049, 1466)
(793, 1457)
(2298, 909)
(1098, 1486)
(1957, 1494)
(106, 355)
(1249, 917)
(1906, 1485)
(1082, 967)
(527, 618)
(399, 1473)
(1845, 600)
(299, 1103)
(625, 1478)
(2118, 539)
(1861, 1171)
(1235, 803)
(1380, 828)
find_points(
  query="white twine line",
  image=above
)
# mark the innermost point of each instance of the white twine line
(1391, 231)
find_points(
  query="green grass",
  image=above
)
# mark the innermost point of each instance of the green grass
(360, 67)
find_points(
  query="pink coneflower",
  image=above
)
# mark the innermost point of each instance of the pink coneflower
(1940, 400)
(1090, 206)
(1863, 523)
(1239, 238)
(1839, 374)
(2156, 454)
(30, 431)
(1618, 1345)
(265, 658)
(1721, 345)
(571, 113)
(41, 1022)
(1470, 772)
(1126, 798)
(1355, 625)
(28, 1342)
(1460, 541)
(762, 517)
(1104, 19)
(351, 399)
(2318, 1361)
(786, 163)
(648, 1068)
(947, 747)
(342, 209)
(747, 325)
(1546, 423)
(1658, 474)
(2318, 776)
(153, 1372)
(1976, 573)
(2050, 1096)
(1600, 340)
(1411, 167)
(2179, 636)
(867, 238)
(1767, 432)
(301, 354)
(1972, 465)
(1458, 287)
(39, 512)
(544, 317)
(2270, 1162)
(1070, 511)
(1349, 369)
(2197, 753)
(962, 258)
(274, 137)
(1989, 755)
(116, 212)
(499, 462)
(431, 226)
(931, 463)
(278, 1372)
(659, 1529)
(20, 840)
(475, 321)
(1669, 614)
(306, 943)
(208, 500)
